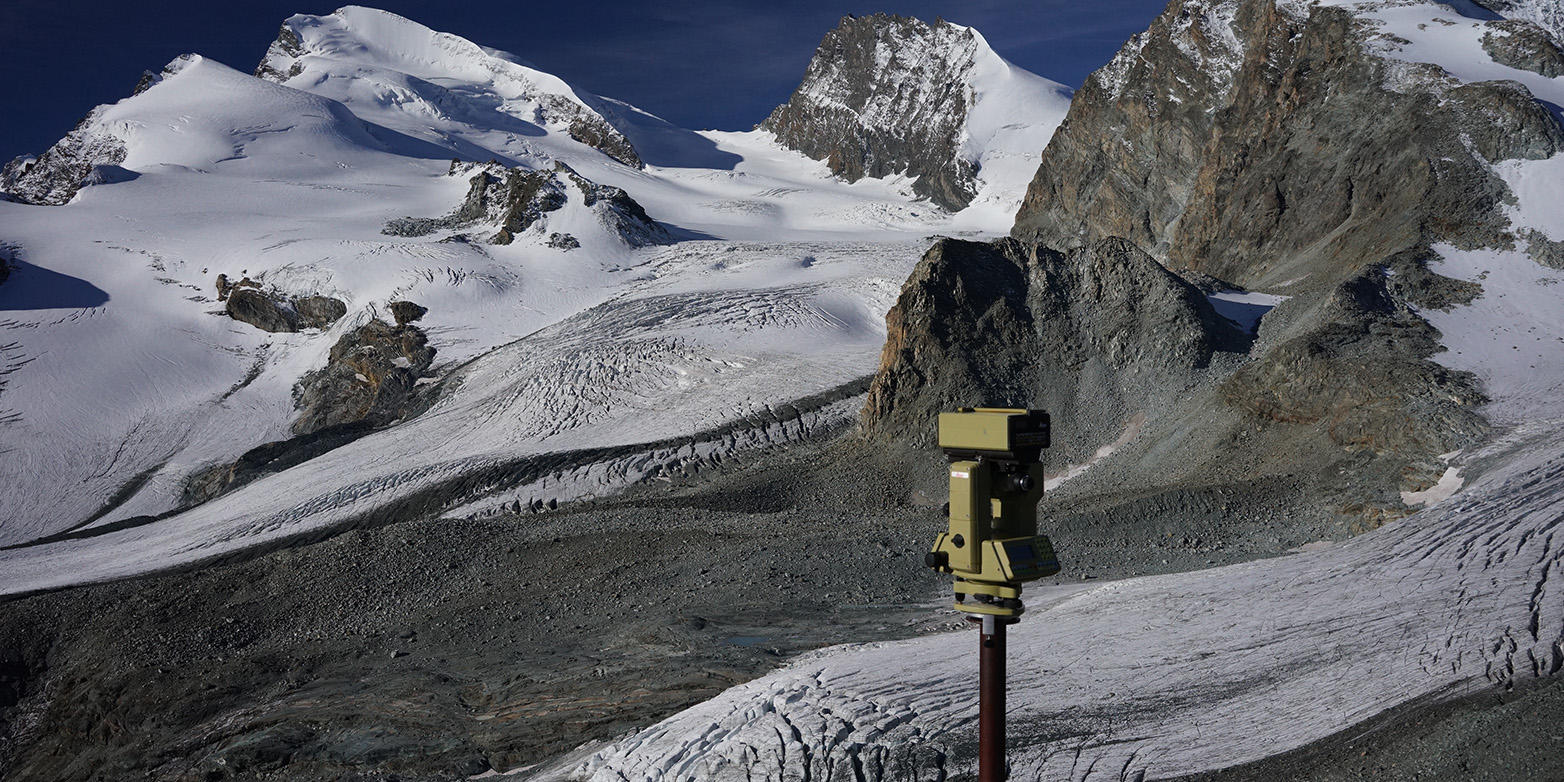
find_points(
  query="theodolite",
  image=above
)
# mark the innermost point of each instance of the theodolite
(996, 481)
(992, 545)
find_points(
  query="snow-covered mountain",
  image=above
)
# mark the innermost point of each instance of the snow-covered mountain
(136, 388)
(890, 95)
(436, 86)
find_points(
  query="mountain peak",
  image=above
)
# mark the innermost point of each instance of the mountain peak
(373, 59)
(890, 95)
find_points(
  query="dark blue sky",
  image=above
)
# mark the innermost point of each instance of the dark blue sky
(699, 64)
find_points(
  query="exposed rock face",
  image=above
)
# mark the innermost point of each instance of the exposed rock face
(886, 95)
(5, 263)
(1544, 250)
(590, 129)
(1265, 144)
(270, 311)
(1091, 335)
(1257, 142)
(281, 62)
(1548, 14)
(53, 178)
(514, 200)
(369, 378)
(1522, 44)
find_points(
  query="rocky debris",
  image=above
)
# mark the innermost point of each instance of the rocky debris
(266, 459)
(369, 377)
(515, 200)
(561, 241)
(1304, 153)
(887, 95)
(405, 312)
(1093, 336)
(1522, 44)
(275, 312)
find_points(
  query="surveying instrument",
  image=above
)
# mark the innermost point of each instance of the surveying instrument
(992, 545)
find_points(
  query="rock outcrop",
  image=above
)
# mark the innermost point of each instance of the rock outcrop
(516, 200)
(1547, 14)
(369, 378)
(1362, 377)
(1260, 141)
(276, 312)
(1092, 335)
(440, 74)
(54, 177)
(1522, 44)
(405, 312)
(886, 95)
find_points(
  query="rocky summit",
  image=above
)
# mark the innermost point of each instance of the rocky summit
(891, 95)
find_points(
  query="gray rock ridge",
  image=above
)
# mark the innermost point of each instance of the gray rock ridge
(1522, 44)
(370, 376)
(887, 95)
(286, 50)
(1093, 335)
(516, 200)
(1312, 155)
(54, 177)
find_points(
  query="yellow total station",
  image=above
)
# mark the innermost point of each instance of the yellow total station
(996, 481)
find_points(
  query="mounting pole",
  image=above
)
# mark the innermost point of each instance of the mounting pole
(991, 700)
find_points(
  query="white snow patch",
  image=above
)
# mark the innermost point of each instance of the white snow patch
(1244, 308)
(1446, 487)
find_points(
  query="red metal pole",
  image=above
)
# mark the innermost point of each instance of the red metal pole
(991, 701)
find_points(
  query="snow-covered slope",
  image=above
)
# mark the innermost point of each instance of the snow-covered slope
(437, 86)
(124, 378)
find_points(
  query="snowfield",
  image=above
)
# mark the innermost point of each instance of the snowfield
(565, 373)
